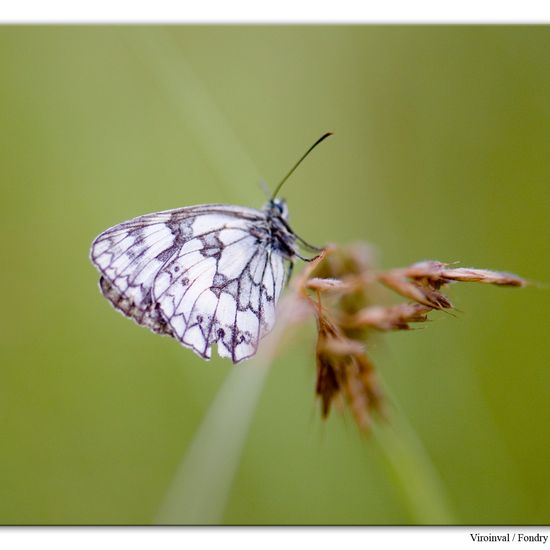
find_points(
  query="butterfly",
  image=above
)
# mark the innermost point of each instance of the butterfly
(206, 274)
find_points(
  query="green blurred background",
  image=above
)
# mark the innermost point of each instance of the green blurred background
(441, 151)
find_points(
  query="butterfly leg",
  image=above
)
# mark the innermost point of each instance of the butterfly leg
(289, 272)
(307, 245)
(308, 259)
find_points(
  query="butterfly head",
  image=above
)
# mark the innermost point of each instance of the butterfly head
(277, 208)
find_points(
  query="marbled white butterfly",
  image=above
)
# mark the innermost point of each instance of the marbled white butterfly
(207, 274)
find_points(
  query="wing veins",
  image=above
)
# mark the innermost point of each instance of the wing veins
(257, 342)
(180, 275)
(125, 251)
(235, 324)
(109, 235)
(209, 288)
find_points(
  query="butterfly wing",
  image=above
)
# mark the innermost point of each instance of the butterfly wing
(198, 274)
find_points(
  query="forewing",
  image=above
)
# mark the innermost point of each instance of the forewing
(131, 254)
(221, 288)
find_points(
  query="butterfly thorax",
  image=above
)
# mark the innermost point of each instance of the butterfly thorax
(276, 233)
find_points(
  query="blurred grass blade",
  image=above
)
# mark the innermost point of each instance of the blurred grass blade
(201, 486)
(200, 489)
(414, 474)
(198, 112)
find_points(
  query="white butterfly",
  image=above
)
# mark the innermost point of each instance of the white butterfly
(207, 274)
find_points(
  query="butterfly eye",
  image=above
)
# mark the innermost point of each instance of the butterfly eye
(279, 205)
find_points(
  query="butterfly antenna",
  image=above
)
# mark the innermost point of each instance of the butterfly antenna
(265, 188)
(278, 188)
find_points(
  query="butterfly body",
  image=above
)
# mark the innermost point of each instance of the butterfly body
(206, 274)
